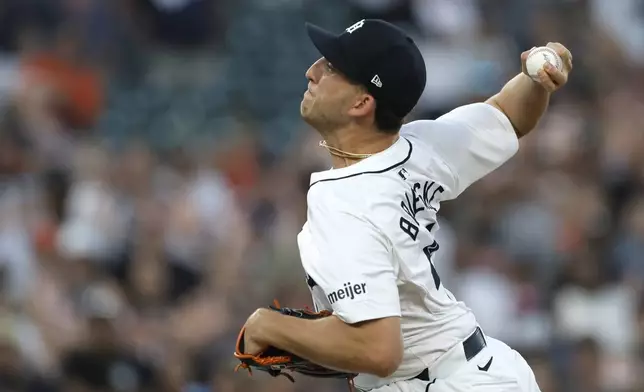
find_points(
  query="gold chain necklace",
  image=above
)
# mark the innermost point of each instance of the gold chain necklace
(342, 154)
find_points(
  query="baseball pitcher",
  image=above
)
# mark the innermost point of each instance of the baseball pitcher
(382, 316)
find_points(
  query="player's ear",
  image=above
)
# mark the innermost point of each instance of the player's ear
(363, 105)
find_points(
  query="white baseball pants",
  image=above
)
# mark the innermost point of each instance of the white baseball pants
(507, 372)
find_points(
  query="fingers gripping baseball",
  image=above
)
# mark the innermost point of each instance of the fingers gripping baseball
(548, 66)
(564, 53)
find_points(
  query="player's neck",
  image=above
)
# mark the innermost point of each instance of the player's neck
(350, 146)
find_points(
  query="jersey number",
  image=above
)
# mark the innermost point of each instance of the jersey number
(429, 250)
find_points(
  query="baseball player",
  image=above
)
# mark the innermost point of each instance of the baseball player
(369, 238)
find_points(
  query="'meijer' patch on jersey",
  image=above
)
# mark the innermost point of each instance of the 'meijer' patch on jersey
(349, 291)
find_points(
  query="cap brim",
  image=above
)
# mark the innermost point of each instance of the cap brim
(328, 44)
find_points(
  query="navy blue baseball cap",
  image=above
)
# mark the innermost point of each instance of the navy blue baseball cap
(378, 55)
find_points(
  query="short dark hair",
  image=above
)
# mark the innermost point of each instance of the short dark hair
(386, 121)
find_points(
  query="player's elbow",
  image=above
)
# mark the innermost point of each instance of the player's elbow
(385, 361)
(381, 346)
(385, 356)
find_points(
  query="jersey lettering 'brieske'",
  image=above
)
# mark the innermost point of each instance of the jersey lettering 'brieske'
(369, 240)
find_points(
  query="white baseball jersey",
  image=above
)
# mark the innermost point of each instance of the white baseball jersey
(368, 241)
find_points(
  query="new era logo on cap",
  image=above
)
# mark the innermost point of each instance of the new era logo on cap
(376, 81)
(379, 56)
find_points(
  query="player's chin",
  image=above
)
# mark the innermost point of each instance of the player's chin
(305, 108)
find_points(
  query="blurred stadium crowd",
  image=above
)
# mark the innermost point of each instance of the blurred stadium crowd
(154, 172)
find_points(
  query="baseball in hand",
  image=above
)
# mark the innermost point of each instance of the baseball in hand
(538, 57)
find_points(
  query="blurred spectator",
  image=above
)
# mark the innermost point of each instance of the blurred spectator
(183, 23)
(105, 361)
(630, 246)
(543, 370)
(588, 294)
(15, 375)
(638, 368)
(95, 226)
(75, 86)
(625, 24)
(586, 366)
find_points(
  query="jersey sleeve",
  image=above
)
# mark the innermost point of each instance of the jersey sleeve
(355, 267)
(472, 140)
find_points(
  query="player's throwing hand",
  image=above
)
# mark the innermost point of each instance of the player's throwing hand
(551, 78)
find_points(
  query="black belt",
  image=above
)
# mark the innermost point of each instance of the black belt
(471, 346)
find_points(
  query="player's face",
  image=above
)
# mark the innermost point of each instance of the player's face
(330, 97)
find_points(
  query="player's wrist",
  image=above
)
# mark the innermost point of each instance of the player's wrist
(269, 327)
(537, 88)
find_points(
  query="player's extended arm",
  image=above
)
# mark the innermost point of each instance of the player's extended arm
(523, 100)
(372, 347)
